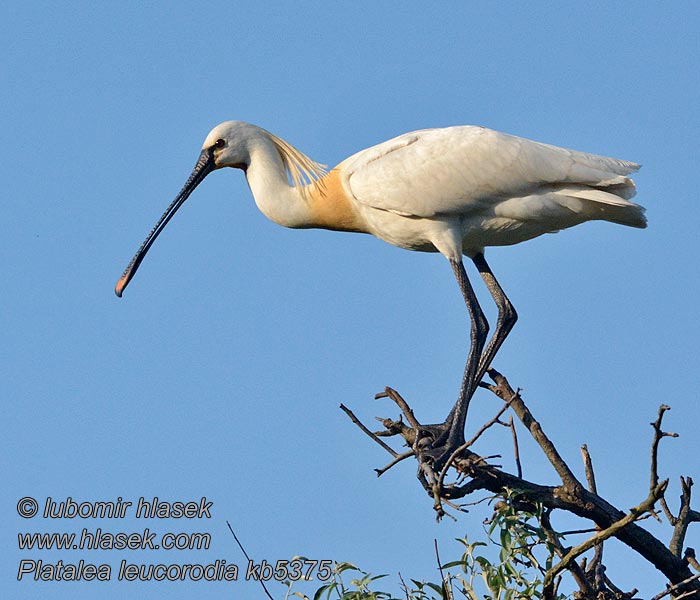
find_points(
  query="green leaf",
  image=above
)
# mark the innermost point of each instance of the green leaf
(506, 539)
(345, 566)
(437, 588)
(319, 592)
(454, 563)
(329, 586)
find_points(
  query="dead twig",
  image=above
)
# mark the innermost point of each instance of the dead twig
(576, 570)
(593, 488)
(235, 537)
(397, 460)
(658, 436)
(402, 404)
(446, 590)
(689, 556)
(673, 588)
(686, 514)
(357, 422)
(630, 517)
(503, 390)
(516, 447)
(489, 424)
(685, 517)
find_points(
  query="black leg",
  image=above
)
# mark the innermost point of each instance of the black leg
(449, 435)
(479, 330)
(506, 316)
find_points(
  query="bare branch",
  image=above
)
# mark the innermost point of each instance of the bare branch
(689, 556)
(446, 590)
(235, 537)
(450, 461)
(685, 516)
(516, 447)
(629, 518)
(404, 587)
(402, 404)
(398, 459)
(488, 424)
(505, 392)
(658, 436)
(588, 465)
(357, 422)
(576, 570)
(677, 586)
(590, 480)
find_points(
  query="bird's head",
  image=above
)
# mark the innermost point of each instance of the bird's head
(227, 145)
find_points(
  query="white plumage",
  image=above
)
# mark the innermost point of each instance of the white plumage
(455, 190)
(496, 188)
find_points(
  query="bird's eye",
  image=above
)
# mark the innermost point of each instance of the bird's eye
(220, 143)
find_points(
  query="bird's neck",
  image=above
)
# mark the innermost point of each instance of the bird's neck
(275, 197)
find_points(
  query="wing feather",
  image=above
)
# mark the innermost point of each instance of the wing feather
(464, 169)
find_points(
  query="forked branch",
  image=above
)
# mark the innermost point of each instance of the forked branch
(474, 472)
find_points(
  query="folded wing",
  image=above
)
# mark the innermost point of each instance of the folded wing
(473, 169)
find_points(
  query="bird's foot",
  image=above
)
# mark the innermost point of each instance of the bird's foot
(439, 448)
(438, 445)
(435, 446)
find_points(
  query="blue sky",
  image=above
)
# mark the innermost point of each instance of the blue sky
(220, 372)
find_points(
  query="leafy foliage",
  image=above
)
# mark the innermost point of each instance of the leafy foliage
(517, 572)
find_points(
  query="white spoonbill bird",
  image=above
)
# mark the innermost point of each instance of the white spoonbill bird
(454, 190)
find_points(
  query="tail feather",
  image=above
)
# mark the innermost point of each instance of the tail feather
(596, 203)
